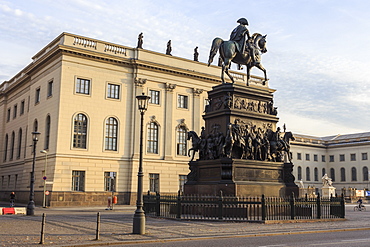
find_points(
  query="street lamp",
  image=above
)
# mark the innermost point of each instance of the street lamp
(139, 216)
(31, 203)
(46, 162)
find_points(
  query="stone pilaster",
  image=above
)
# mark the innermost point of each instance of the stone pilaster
(168, 124)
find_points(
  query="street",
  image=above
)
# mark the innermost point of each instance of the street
(76, 226)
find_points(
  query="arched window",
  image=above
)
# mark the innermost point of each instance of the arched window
(332, 174)
(152, 146)
(12, 143)
(323, 171)
(299, 173)
(6, 147)
(308, 174)
(316, 174)
(354, 174)
(19, 143)
(342, 174)
(80, 131)
(47, 133)
(365, 173)
(111, 133)
(181, 141)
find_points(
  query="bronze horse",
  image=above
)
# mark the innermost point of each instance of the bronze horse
(229, 53)
(195, 143)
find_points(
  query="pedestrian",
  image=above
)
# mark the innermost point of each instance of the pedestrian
(12, 199)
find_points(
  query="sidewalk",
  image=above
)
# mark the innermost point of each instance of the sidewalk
(77, 227)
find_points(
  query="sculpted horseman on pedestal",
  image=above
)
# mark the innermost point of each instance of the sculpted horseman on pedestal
(241, 49)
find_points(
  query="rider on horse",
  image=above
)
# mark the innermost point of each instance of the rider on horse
(243, 44)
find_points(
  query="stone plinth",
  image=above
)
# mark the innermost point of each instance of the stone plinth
(328, 191)
(237, 177)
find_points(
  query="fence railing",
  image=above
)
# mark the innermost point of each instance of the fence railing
(234, 208)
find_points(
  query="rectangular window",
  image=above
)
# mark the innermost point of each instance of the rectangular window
(323, 159)
(153, 182)
(37, 96)
(353, 157)
(182, 180)
(331, 158)
(154, 97)
(341, 157)
(113, 91)
(8, 115)
(299, 156)
(182, 101)
(78, 180)
(110, 181)
(315, 158)
(307, 156)
(83, 86)
(21, 111)
(50, 88)
(15, 111)
(364, 156)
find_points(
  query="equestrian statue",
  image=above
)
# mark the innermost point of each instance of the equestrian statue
(241, 49)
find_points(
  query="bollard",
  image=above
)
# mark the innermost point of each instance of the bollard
(97, 226)
(42, 239)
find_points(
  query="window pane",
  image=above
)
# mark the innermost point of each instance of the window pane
(111, 133)
(83, 86)
(78, 180)
(181, 141)
(113, 91)
(80, 131)
(152, 146)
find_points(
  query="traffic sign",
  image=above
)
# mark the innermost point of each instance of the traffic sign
(44, 177)
(47, 192)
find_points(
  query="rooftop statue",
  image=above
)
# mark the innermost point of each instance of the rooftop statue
(241, 49)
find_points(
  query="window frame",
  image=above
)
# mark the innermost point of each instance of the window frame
(37, 95)
(50, 89)
(154, 184)
(155, 97)
(78, 89)
(152, 138)
(80, 135)
(78, 180)
(182, 101)
(112, 92)
(109, 182)
(181, 141)
(111, 134)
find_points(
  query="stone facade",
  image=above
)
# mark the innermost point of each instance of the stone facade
(71, 91)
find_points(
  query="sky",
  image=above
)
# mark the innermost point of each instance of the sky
(317, 59)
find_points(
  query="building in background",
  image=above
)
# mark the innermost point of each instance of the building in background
(344, 158)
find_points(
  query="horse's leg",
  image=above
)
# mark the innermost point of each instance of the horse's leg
(259, 65)
(226, 66)
(248, 74)
(222, 73)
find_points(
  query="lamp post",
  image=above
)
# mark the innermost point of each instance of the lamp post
(31, 203)
(139, 216)
(46, 162)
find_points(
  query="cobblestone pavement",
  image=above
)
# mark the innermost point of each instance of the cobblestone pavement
(77, 226)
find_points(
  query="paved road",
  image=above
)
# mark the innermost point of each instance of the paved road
(335, 239)
(76, 226)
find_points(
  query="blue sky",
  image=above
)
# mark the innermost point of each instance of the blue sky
(317, 59)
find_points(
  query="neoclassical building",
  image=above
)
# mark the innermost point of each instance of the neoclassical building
(79, 93)
(344, 158)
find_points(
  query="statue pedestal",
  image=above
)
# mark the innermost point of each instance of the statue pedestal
(328, 191)
(238, 177)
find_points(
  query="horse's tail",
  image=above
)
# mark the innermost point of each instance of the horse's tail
(214, 48)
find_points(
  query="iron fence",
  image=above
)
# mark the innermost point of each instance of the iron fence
(236, 208)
